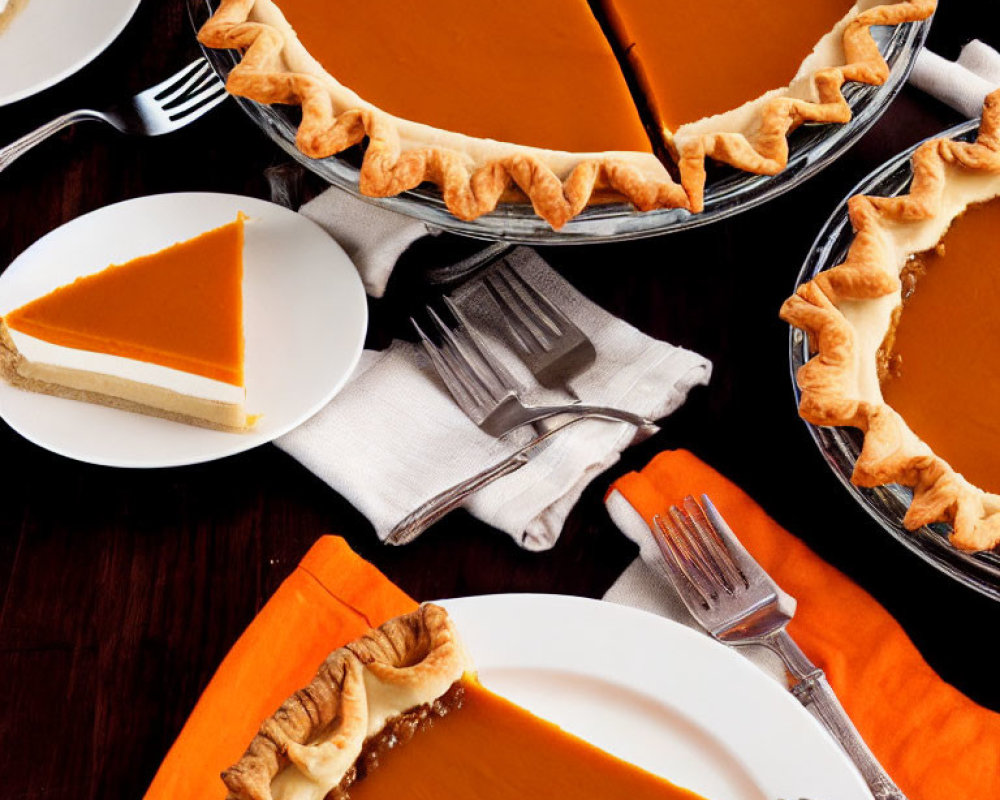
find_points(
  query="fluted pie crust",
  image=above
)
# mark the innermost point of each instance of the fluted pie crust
(475, 175)
(848, 310)
(309, 747)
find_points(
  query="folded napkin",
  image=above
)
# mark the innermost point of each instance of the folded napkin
(373, 237)
(961, 84)
(394, 437)
(934, 742)
(331, 598)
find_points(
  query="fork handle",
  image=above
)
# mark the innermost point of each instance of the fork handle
(809, 685)
(425, 515)
(539, 413)
(13, 151)
(420, 519)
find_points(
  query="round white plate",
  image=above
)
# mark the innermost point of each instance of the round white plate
(305, 317)
(658, 694)
(48, 40)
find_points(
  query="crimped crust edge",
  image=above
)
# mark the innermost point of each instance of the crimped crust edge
(891, 453)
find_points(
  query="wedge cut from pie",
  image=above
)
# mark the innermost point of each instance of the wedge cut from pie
(907, 338)
(548, 98)
(399, 715)
(160, 335)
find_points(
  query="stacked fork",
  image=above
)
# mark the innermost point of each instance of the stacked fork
(489, 395)
(395, 436)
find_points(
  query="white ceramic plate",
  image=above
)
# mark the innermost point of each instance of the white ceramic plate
(48, 40)
(305, 317)
(656, 693)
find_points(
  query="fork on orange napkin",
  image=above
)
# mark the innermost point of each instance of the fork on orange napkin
(935, 743)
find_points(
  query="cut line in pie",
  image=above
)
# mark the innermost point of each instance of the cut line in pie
(564, 102)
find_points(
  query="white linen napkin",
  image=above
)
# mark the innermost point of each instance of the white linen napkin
(961, 84)
(373, 237)
(394, 437)
(644, 583)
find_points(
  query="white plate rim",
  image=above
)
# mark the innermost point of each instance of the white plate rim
(481, 619)
(236, 442)
(47, 83)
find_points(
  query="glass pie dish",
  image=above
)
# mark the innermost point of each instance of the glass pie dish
(841, 446)
(812, 147)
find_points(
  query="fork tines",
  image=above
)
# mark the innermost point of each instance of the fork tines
(192, 89)
(694, 551)
(533, 320)
(475, 379)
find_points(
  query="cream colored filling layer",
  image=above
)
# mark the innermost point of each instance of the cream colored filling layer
(41, 353)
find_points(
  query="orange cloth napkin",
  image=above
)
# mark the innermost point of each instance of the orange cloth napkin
(332, 597)
(934, 742)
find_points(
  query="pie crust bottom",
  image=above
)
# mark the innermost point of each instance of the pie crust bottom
(115, 392)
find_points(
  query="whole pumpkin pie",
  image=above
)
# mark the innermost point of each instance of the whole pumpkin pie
(562, 101)
(399, 715)
(160, 335)
(907, 337)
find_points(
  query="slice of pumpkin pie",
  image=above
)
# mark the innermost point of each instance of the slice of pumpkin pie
(399, 714)
(160, 335)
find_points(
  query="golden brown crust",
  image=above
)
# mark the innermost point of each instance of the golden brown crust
(891, 454)
(388, 169)
(321, 729)
(213, 414)
(765, 152)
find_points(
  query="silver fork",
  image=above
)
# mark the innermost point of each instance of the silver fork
(485, 389)
(549, 343)
(488, 394)
(737, 602)
(179, 100)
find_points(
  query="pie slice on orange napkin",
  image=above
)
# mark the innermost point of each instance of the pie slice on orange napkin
(332, 597)
(935, 743)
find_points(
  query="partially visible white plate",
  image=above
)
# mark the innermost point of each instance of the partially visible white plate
(655, 693)
(305, 316)
(48, 40)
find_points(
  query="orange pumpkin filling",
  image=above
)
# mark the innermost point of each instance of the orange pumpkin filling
(181, 308)
(697, 59)
(539, 74)
(490, 749)
(944, 376)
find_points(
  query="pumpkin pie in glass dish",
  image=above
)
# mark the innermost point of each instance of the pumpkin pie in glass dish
(399, 713)
(563, 103)
(905, 340)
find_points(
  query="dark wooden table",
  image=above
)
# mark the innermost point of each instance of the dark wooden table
(122, 590)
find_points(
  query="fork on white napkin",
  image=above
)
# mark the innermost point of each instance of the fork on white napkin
(394, 437)
(961, 84)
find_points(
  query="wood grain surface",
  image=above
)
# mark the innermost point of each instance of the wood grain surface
(120, 591)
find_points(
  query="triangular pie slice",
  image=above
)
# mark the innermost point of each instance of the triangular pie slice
(160, 335)
(398, 714)
(906, 337)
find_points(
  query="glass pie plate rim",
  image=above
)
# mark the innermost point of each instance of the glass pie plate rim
(812, 148)
(840, 446)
